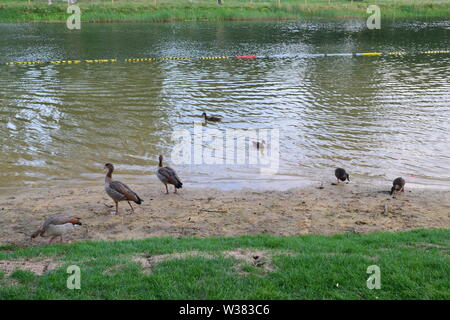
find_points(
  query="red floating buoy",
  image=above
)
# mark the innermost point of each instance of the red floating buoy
(245, 57)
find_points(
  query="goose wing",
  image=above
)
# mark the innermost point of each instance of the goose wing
(124, 190)
(169, 174)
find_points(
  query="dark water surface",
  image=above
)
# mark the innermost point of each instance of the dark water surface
(380, 117)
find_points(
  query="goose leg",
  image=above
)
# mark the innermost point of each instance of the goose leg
(117, 210)
(175, 189)
(167, 189)
(132, 210)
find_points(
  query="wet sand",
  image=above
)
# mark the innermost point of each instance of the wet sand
(209, 212)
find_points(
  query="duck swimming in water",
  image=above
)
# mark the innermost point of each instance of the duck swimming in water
(259, 145)
(210, 118)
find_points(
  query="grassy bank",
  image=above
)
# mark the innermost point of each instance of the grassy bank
(181, 10)
(414, 265)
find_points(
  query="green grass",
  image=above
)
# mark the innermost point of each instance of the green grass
(414, 265)
(182, 10)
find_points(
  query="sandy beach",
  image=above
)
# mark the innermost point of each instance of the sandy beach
(210, 212)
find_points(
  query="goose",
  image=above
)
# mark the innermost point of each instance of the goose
(398, 185)
(341, 175)
(168, 176)
(210, 118)
(55, 226)
(119, 191)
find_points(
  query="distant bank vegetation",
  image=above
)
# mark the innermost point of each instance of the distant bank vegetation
(205, 10)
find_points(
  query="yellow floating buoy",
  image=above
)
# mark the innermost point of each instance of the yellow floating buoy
(372, 54)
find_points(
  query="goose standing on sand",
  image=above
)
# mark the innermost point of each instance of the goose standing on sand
(398, 185)
(210, 118)
(119, 191)
(168, 176)
(56, 226)
(341, 175)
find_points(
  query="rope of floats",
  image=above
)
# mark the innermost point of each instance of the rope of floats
(394, 53)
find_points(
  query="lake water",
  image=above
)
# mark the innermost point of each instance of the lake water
(379, 117)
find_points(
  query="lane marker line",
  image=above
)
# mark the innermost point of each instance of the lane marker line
(393, 53)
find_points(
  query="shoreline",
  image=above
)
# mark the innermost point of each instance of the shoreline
(278, 183)
(201, 212)
(261, 19)
(166, 11)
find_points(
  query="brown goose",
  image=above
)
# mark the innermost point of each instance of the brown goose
(398, 185)
(168, 176)
(210, 118)
(341, 175)
(56, 226)
(119, 191)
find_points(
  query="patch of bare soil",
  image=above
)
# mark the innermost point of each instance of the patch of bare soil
(445, 250)
(258, 258)
(112, 270)
(9, 282)
(37, 267)
(211, 213)
(151, 261)
(426, 245)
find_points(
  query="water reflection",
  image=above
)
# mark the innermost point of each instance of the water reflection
(379, 116)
